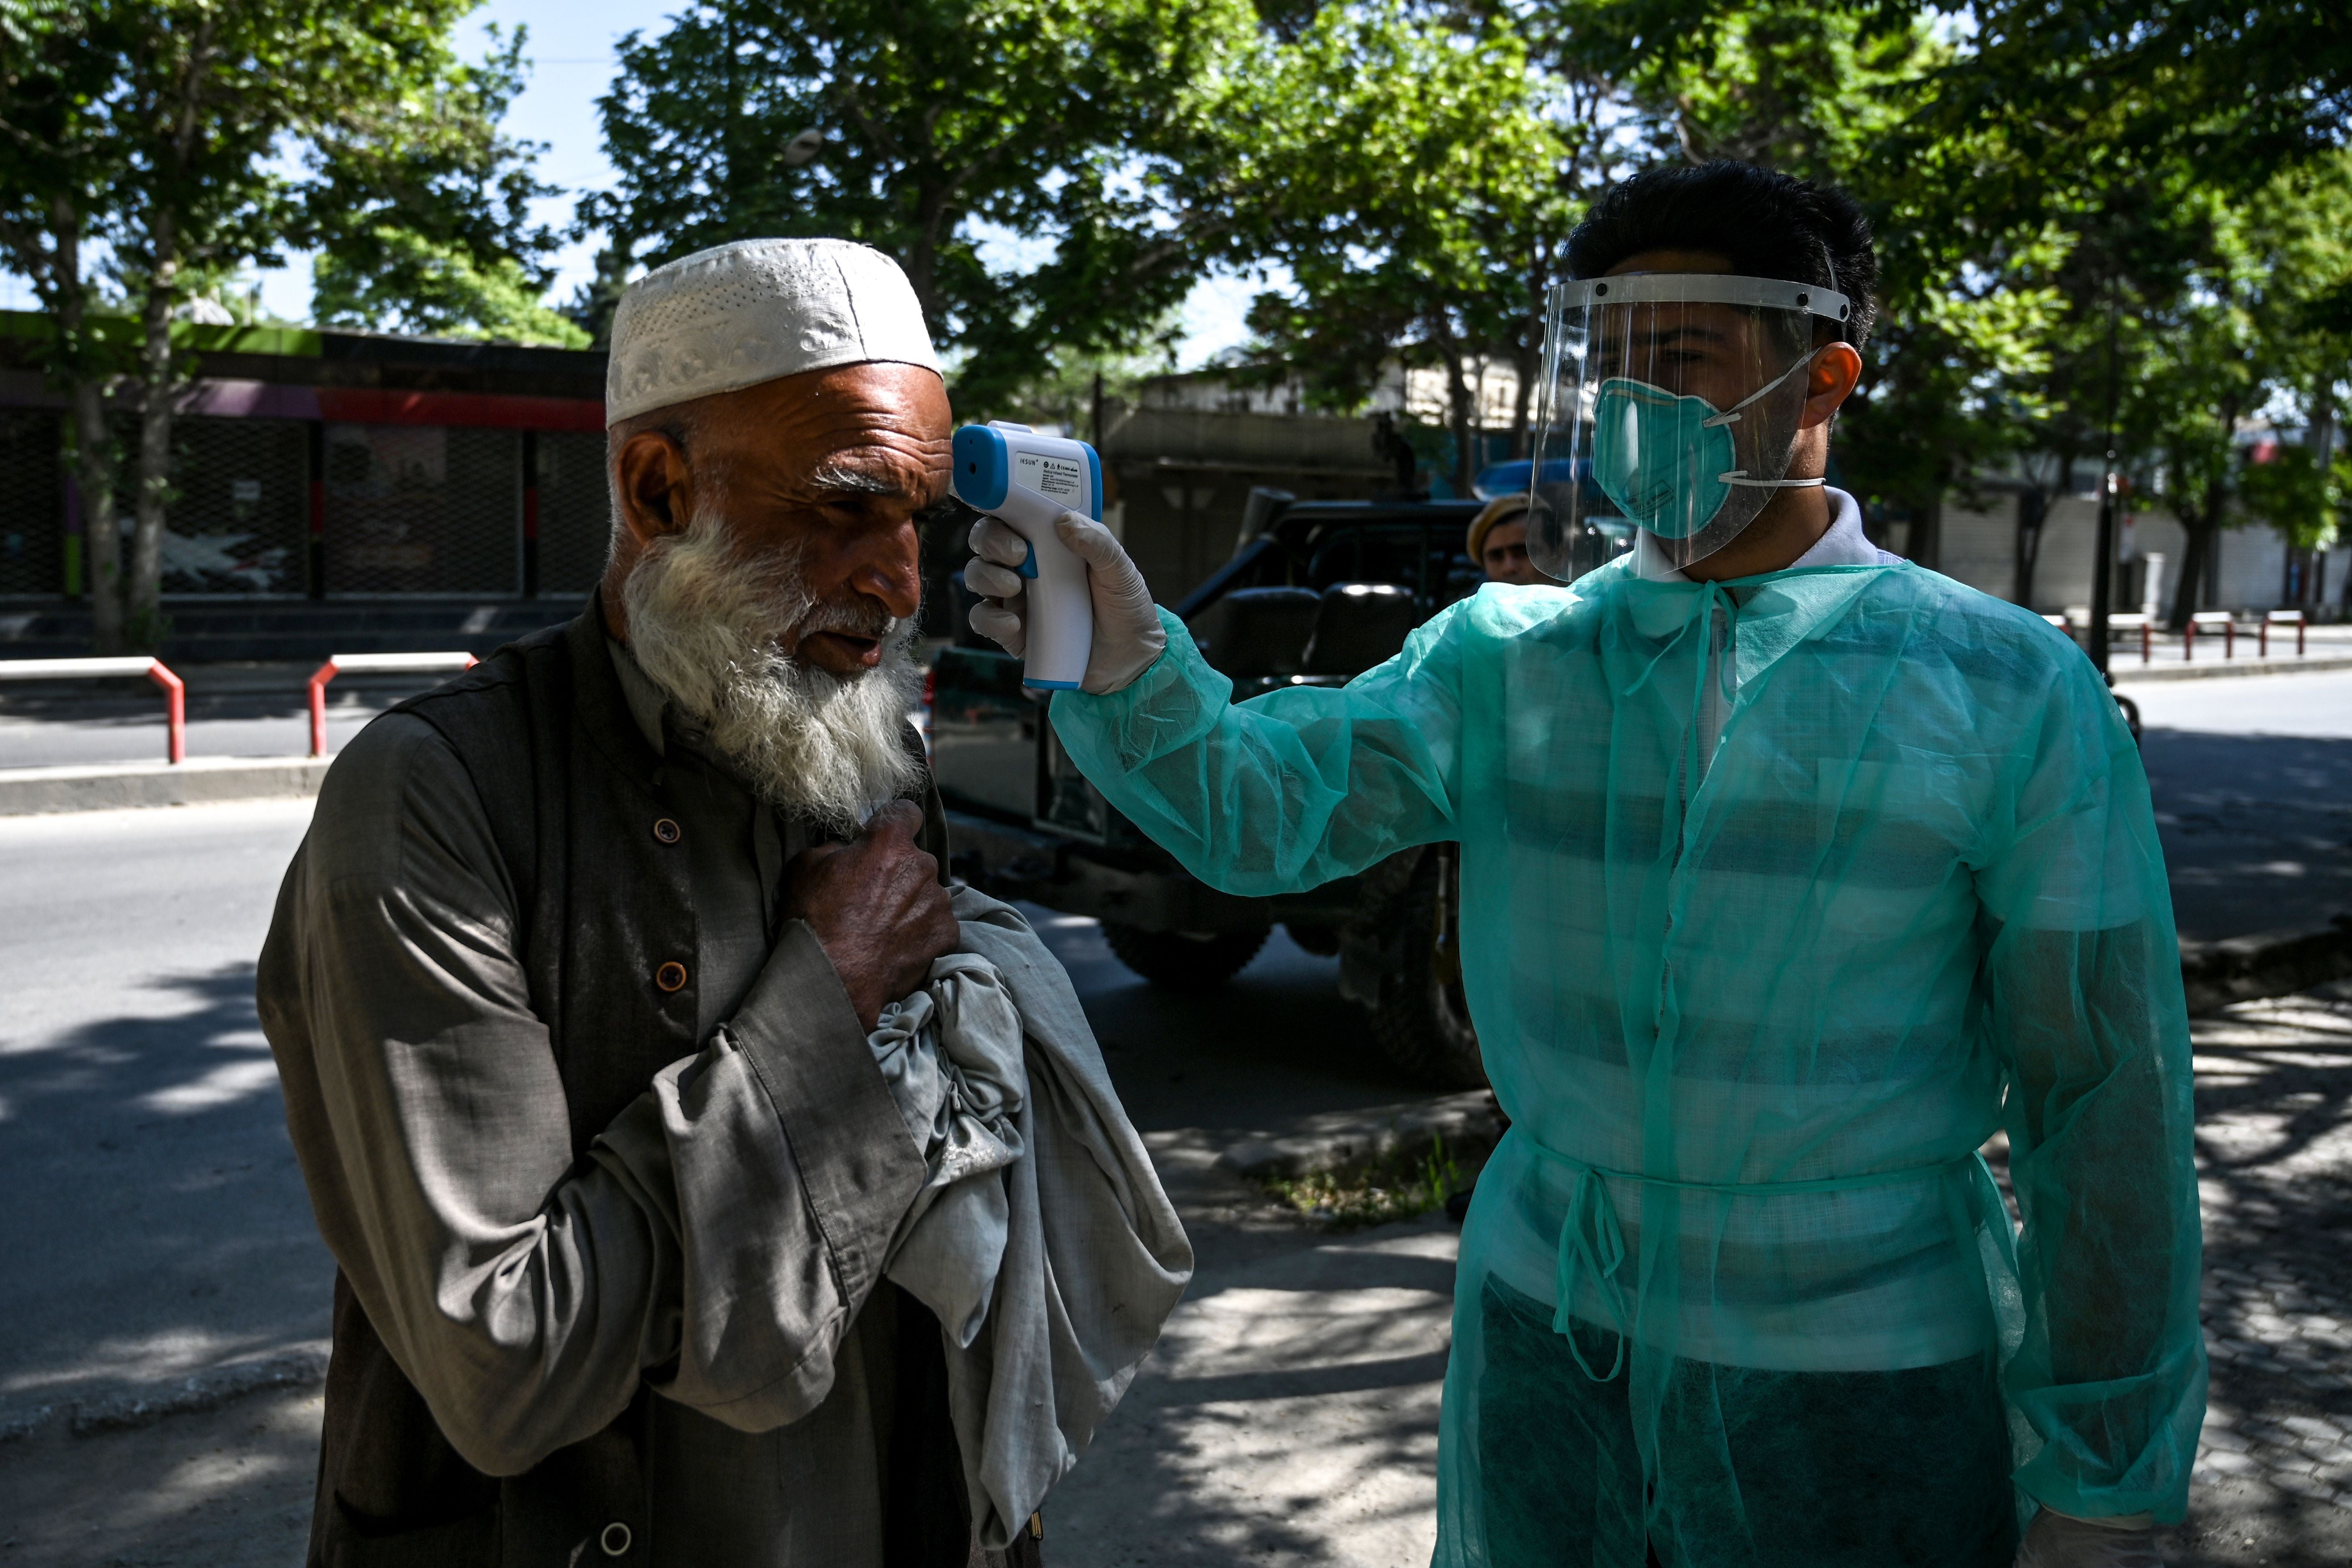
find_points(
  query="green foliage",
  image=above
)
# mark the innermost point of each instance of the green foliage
(923, 129)
(2294, 494)
(2089, 87)
(419, 285)
(420, 207)
(1404, 168)
(1064, 388)
(1387, 1190)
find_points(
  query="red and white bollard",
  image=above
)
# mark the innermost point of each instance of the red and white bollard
(370, 663)
(175, 691)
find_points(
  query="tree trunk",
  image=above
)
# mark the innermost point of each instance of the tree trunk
(1528, 362)
(92, 443)
(144, 613)
(101, 541)
(2201, 525)
(2033, 514)
(1461, 404)
(1927, 540)
(2194, 555)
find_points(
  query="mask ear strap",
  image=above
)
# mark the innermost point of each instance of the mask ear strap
(1731, 415)
(1739, 477)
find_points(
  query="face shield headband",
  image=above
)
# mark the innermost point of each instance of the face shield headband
(1670, 403)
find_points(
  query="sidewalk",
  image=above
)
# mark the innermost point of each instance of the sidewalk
(2171, 659)
(2273, 1479)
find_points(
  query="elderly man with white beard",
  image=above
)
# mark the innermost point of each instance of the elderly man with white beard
(571, 987)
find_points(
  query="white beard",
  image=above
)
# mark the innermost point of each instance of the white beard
(706, 625)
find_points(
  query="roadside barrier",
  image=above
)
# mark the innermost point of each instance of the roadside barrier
(363, 665)
(2284, 618)
(2210, 619)
(2130, 621)
(175, 691)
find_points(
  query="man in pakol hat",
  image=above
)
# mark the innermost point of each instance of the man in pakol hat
(571, 982)
(1498, 541)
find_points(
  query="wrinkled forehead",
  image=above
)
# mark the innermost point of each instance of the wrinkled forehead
(876, 431)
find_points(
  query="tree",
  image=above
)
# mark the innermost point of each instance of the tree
(59, 160)
(2252, 330)
(924, 128)
(163, 123)
(421, 210)
(2232, 90)
(1405, 171)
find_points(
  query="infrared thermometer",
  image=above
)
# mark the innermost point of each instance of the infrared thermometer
(1028, 480)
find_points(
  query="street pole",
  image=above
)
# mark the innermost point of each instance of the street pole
(2103, 568)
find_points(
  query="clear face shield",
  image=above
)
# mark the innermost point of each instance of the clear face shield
(1669, 402)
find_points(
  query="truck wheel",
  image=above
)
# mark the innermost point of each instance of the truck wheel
(1183, 960)
(1422, 1022)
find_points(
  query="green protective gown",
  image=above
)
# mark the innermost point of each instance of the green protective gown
(1780, 897)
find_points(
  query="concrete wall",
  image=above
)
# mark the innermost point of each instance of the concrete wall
(1980, 549)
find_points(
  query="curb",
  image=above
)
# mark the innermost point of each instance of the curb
(2266, 964)
(203, 781)
(2144, 673)
(207, 1390)
(1336, 1139)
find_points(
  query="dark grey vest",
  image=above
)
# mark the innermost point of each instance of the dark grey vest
(572, 791)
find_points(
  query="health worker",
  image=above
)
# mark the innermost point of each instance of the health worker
(1792, 873)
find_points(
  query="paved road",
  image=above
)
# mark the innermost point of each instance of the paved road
(2273, 1479)
(2252, 780)
(155, 1224)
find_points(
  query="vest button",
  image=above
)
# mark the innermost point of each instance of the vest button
(668, 830)
(671, 976)
(615, 1539)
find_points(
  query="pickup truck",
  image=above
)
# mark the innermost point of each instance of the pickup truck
(1317, 592)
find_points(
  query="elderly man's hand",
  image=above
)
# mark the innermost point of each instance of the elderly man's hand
(877, 907)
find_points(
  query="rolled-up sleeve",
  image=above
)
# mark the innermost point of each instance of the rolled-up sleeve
(716, 1239)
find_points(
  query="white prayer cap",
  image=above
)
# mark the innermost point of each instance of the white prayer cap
(737, 315)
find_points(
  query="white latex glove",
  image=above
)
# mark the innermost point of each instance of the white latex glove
(1127, 633)
(2059, 1540)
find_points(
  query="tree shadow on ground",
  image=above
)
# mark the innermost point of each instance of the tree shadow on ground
(229, 1487)
(2257, 830)
(1289, 1417)
(151, 1171)
(2275, 1158)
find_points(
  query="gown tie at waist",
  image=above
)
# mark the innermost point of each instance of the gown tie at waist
(1593, 1240)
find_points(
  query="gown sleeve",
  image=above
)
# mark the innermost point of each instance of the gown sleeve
(2083, 974)
(1288, 790)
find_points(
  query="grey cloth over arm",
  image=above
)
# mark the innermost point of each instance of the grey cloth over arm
(1087, 1256)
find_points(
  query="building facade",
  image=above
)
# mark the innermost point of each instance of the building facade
(331, 466)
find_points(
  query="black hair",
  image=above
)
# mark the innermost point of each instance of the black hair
(1764, 223)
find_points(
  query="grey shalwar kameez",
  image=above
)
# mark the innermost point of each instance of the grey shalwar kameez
(619, 1234)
